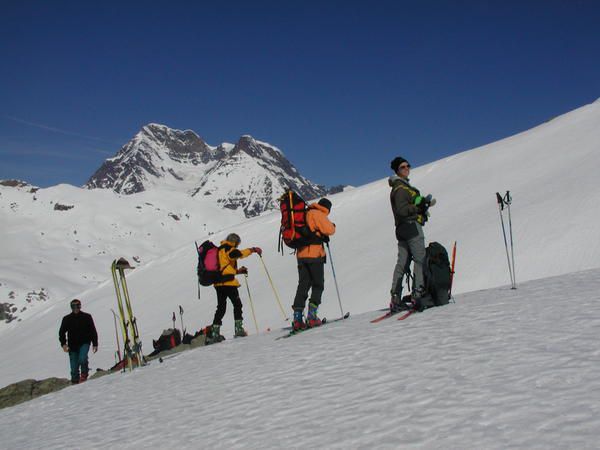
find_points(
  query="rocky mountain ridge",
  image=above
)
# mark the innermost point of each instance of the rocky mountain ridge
(249, 175)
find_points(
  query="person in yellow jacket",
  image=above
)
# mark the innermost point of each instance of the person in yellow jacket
(228, 288)
(311, 265)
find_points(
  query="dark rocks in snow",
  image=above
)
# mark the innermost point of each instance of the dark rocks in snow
(6, 312)
(60, 207)
(25, 390)
(13, 183)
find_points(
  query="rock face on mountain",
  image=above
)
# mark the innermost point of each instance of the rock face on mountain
(249, 175)
(156, 156)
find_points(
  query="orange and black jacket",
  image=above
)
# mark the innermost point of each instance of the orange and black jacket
(318, 222)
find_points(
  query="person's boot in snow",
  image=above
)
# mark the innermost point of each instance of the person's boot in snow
(215, 334)
(239, 329)
(298, 322)
(312, 320)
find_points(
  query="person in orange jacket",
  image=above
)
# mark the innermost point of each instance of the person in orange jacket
(228, 256)
(311, 266)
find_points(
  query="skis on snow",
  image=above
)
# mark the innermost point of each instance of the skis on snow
(323, 322)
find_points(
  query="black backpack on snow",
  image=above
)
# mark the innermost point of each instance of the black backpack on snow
(436, 271)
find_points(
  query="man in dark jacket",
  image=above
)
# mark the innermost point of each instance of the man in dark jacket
(77, 331)
(410, 214)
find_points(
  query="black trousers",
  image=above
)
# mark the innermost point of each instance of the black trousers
(311, 276)
(223, 293)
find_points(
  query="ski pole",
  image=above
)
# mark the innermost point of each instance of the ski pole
(181, 317)
(273, 287)
(500, 208)
(335, 279)
(117, 334)
(198, 251)
(251, 304)
(452, 270)
(508, 201)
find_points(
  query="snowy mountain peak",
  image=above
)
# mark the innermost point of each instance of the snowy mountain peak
(156, 156)
(250, 174)
(252, 177)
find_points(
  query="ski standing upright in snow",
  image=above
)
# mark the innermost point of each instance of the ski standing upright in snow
(132, 344)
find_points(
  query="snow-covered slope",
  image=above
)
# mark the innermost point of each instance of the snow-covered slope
(253, 177)
(59, 241)
(499, 369)
(550, 171)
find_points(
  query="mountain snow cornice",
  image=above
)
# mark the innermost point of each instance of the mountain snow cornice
(250, 175)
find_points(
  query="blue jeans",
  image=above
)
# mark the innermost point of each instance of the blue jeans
(79, 358)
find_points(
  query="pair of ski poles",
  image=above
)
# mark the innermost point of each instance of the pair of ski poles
(277, 295)
(505, 202)
(274, 292)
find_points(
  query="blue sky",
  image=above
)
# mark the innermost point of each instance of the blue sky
(341, 87)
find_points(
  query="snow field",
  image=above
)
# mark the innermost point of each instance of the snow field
(499, 369)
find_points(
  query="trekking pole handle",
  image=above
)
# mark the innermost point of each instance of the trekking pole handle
(500, 200)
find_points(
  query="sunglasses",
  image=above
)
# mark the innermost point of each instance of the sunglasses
(75, 305)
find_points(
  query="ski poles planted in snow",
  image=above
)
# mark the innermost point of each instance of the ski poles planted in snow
(181, 317)
(502, 203)
(251, 304)
(273, 287)
(335, 280)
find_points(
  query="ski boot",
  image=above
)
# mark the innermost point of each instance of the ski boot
(239, 329)
(417, 299)
(298, 322)
(83, 377)
(215, 335)
(397, 304)
(312, 320)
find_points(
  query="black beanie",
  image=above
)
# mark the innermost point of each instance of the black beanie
(325, 203)
(396, 163)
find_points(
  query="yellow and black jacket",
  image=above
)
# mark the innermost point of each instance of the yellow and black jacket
(228, 256)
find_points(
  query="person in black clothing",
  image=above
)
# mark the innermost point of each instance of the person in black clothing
(77, 331)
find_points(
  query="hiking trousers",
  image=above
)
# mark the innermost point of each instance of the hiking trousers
(411, 248)
(311, 277)
(223, 293)
(79, 359)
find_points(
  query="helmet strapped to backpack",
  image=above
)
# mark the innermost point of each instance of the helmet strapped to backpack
(294, 231)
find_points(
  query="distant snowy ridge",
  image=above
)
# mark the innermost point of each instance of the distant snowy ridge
(249, 175)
